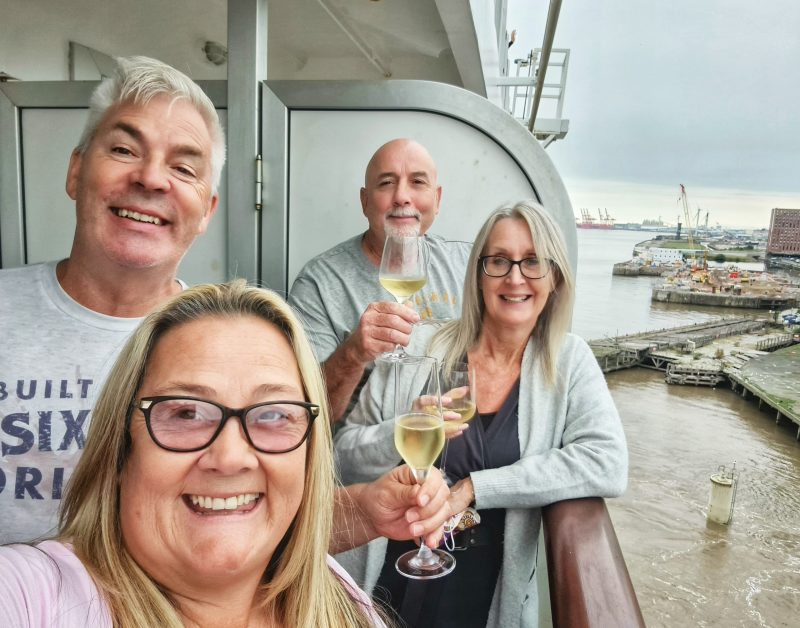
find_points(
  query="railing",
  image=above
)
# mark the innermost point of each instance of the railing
(775, 342)
(518, 93)
(589, 583)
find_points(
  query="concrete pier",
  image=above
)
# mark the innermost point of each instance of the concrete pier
(673, 344)
(757, 358)
(629, 269)
(691, 297)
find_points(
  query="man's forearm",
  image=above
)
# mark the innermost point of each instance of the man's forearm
(351, 528)
(342, 375)
(394, 506)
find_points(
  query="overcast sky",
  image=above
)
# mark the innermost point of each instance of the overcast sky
(700, 92)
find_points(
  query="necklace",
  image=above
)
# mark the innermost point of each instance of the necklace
(373, 255)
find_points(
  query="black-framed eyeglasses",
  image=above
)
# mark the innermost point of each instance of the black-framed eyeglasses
(499, 266)
(191, 424)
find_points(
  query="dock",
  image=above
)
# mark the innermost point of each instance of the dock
(657, 349)
(748, 301)
(754, 356)
(728, 287)
(632, 269)
(772, 380)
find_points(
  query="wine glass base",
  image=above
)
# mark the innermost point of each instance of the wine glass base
(394, 356)
(400, 355)
(409, 565)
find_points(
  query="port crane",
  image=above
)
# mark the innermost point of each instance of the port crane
(689, 231)
(698, 229)
(687, 217)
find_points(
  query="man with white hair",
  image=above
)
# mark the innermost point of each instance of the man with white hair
(345, 310)
(144, 180)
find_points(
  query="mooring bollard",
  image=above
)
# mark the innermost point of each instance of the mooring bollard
(723, 494)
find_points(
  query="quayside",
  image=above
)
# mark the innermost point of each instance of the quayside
(755, 357)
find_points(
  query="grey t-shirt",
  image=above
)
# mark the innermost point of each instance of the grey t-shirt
(332, 291)
(54, 357)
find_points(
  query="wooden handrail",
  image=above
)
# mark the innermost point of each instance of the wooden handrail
(589, 583)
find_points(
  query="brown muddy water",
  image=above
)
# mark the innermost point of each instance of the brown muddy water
(688, 571)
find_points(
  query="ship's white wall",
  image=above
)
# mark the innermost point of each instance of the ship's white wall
(330, 149)
(287, 67)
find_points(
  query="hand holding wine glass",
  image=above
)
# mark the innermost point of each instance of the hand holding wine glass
(419, 438)
(458, 396)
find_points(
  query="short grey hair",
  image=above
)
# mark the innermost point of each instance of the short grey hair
(138, 80)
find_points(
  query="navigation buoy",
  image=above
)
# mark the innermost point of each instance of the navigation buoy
(723, 495)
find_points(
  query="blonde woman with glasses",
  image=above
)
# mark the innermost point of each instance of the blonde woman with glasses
(205, 493)
(545, 430)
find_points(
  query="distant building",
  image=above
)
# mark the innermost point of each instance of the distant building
(665, 256)
(784, 232)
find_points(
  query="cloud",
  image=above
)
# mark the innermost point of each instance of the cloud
(658, 94)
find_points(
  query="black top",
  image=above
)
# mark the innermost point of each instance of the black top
(490, 443)
(463, 597)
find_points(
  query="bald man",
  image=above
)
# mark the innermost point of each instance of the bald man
(350, 318)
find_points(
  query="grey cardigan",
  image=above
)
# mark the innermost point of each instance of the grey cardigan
(571, 444)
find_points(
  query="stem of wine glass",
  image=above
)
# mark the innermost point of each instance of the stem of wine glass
(399, 351)
(424, 556)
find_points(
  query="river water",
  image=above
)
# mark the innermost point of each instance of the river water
(687, 571)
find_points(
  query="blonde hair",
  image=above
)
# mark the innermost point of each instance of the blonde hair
(457, 337)
(298, 588)
(138, 80)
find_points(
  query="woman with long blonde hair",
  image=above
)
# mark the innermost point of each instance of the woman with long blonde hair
(545, 428)
(204, 495)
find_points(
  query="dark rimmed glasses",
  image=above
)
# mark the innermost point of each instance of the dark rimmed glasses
(499, 266)
(189, 424)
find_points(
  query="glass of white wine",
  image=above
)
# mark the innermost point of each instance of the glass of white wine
(404, 271)
(458, 383)
(419, 438)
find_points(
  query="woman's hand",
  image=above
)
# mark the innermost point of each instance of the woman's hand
(451, 428)
(396, 507)
(453, 422)
(428, 404)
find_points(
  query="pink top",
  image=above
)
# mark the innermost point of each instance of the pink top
(46, 586)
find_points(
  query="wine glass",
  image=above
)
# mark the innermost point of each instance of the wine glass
(419, 438)
(458, 383)
(404, 271)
